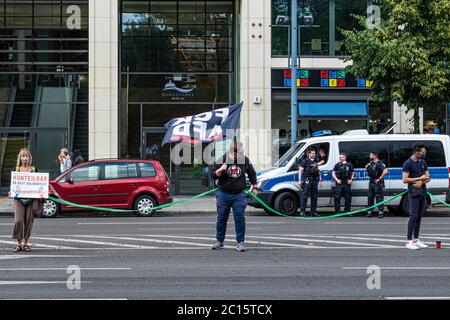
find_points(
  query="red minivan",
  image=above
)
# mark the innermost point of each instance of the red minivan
(119, 184)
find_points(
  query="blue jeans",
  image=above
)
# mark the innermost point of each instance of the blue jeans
(226, 202)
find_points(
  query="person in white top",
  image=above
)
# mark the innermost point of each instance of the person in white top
(64, 160)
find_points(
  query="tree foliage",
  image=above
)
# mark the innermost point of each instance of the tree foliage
(407, 56)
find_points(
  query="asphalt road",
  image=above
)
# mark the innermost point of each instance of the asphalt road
(170, 258)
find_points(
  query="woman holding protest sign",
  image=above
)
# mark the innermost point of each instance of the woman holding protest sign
(24, 209)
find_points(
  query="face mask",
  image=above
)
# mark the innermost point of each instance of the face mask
(423, 155)
(25, 159)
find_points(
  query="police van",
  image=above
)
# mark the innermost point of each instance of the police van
(278, 186)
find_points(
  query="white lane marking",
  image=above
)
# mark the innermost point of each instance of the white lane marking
(385, 223)
(327, 241)
(6, 224)
(183, 229)
(38, 245)
(71, 299)
(9, 283)
(397, 236)
(146, 240)
(350, 238)
(399, 268)
(168, 223)
(268, 247)
(113, 244)
(417, 298)
(58, 269)
(253, 242)
(22, 256)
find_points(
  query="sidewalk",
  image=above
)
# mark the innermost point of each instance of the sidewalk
(205, 205)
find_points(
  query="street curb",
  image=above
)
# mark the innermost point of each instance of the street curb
(118, 215)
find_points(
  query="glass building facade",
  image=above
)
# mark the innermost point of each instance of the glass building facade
(43, 81)
(320, 22)
(177, 58)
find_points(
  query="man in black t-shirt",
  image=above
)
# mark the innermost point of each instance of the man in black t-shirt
(230, 172)
(416, 175)
(343, 176)
(308, 181)
(376, 170)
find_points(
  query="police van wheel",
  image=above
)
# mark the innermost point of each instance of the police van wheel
(395, 210)
(270, 213)
(405, 206)
(286, 203)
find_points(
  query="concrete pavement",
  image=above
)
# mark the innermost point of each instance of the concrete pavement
(201, 206)
(170, 258)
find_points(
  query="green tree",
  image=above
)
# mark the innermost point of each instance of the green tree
(407, 55)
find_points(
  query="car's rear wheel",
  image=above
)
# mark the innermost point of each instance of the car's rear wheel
(144, 205)
(286, 203)
(50, 209)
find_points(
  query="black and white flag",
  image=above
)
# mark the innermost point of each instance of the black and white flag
(203, 127)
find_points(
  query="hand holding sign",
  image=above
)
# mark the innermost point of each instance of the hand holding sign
(30, 185)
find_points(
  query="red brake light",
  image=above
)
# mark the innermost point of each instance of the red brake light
(449, 178)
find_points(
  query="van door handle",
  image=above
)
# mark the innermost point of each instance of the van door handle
(134, 185)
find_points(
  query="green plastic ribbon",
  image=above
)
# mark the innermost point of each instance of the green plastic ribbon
(325, 217)
(81, 206)
(438, 200)
(167, 205)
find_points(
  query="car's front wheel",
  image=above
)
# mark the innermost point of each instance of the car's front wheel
(144, 205)
(50, 209)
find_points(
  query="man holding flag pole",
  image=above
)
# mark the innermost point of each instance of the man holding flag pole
(230, 172)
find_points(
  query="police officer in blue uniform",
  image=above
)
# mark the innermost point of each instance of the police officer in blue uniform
(343, 176)
(308, 181)
(376, 170)
(416, 175)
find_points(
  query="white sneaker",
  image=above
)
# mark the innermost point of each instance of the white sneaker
(411, 245)
(420, 244)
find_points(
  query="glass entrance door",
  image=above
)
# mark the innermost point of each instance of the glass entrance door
(151, 149)
(186, 178)
(44, 145)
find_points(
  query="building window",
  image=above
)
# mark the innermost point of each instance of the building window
(434, 119)
(43, 80)
(320, 22)
(168, 36)
(380, 116)
(345, 21)
(177, 59)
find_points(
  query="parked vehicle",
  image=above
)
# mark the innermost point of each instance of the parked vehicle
(278, 186)
(120, 184)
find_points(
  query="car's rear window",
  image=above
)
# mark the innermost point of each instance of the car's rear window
(147, 170)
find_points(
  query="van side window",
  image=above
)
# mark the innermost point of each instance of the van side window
(402, 150)
(358, 151)
(322, 150)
